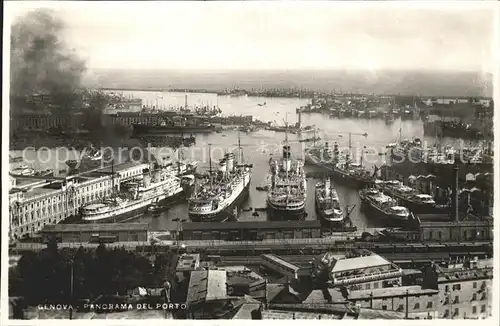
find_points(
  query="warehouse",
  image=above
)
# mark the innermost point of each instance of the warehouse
(250, 231)
(96, 232)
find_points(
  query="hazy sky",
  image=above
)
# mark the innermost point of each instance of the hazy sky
(225, 35)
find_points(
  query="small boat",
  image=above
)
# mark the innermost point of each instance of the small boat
(262, 188)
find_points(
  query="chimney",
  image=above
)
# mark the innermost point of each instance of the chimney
(454, 193)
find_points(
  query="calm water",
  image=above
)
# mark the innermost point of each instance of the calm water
(260, 145)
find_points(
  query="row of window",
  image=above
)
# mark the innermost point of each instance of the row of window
(458, 287)
(456, 311)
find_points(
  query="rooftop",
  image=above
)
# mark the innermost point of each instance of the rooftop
(206, 286)
(53, 228)
(390, 292)
(250, 225)
(188, 262)
(348, 264)
(318, 296)
(281, 261)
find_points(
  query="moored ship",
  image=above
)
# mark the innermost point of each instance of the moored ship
(174, 127)
(409, 197)
(286, 198)
(327, 205)
(340, 167)
(383, 207)
(152, 188)
(225, 189)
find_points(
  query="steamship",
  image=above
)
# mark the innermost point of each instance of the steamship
(151, 188)
(380, 206)
(328, 206)
(409, 197)
(286, 198)
(340, 167)
(225, 189)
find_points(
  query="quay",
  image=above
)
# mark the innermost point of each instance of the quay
(270, 245)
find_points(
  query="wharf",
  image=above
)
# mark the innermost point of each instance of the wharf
(271, 245)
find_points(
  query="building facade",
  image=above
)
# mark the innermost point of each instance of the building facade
(414, 301)
(251, 231)
(82, 233)
(33, 207)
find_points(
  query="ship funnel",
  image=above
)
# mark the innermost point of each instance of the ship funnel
(327, 187)
(230, 161)
(287, 163)
(147, 180)
(156, 176)
(223, 166)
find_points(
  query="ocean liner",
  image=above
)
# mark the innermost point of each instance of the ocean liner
(138, 195)
(327, 205)
(225, 189)
(340, 167)
(383, 207)
(286, 198)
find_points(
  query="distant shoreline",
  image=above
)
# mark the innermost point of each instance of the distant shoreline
(271, 93)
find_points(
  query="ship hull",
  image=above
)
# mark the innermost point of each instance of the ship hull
(326, 222)
(145, 129)
(224, 214)
(374, 213)
(136, 212)
(278, 213)
(431, 129)
(336, 175)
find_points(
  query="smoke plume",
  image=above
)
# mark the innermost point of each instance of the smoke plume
(41, 62)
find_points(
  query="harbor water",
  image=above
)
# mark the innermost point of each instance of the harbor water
(259, 146)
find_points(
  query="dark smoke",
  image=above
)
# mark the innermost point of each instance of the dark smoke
(41, 62)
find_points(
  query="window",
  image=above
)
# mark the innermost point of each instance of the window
(457, 287)
(483, 308)
(456, 299)
(417, 305)
(384, 307)
(446, 313)
(474, 285)
(474, 309)
(483, 296)
(367, 286)
(375, 285)
(457, 311)
(429, 304)
(400, 307)
(447, 288)
(474, 297)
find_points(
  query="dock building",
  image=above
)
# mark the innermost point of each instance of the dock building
(37, 201)
(251, 231)
(99, 232)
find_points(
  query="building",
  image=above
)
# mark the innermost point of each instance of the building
(207, 293)
(113, 232)
(188, 263)
(287, 269)
(465, 289)
(250, 231)
(36, 202)
(46, 121)
(363, 272)
(414, 301)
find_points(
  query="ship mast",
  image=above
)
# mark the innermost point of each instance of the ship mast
(240, 155)
(210, 164)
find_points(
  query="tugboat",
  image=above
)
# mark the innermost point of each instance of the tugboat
(409, 197)
(286, 198)
(226, 189)
(153, 187)
(383, 207)
(327, 205)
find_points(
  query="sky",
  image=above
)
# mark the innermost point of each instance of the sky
(278, 35)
